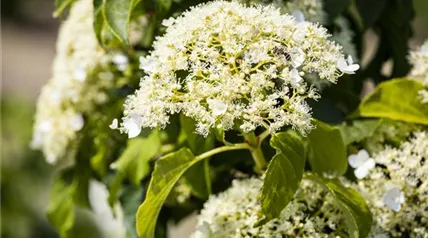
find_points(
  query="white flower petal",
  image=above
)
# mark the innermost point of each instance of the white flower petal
(356, 160)
(217, 107)
(297, 57)
(114, 124)
(298, 15)
(295, 76)
(393, 198)
(132, 126)
(361, 172)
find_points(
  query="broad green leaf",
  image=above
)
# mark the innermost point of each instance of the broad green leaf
(358, 217)
(327, 150)
(167, 172)
(69, 191)
(61, 5)
(117, 14)
(164, 6)
(60, 212)
(134, 161)
(198, 176)
(396, 99)
(98, 20)
(283, 174)
(358, 130)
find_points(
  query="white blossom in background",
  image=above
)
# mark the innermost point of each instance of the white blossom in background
(311, 10)
(80, 75)
(419, 71)
(343, 36)
(234, 212)
(397, 188)
(221, 62)
(110, 221)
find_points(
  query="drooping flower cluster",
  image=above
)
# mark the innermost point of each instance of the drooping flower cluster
(234, 213)
(227, 65)
(396, 188)
(81, 72)
(419, 60)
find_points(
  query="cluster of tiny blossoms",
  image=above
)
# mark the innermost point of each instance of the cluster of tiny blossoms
(419, 60)
(313, 11)
(234, 213)
(224, 64)
(396, 188)
(80, 73)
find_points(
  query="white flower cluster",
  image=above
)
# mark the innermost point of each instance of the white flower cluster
(224, 64)
(419, 60)
(80, 75)
(234, 213)
(397, 187)
(309, 10)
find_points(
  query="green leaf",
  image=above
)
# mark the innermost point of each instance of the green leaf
(198, 176)
(283, 174)
(117, 14)
(60, 212)
(61, 5)
(327, 150)
(396, 99)
(358, 217)
(135, 159)
(168, 171)
(98, 20)
(69, 191)
(163, 6)
(358, 130)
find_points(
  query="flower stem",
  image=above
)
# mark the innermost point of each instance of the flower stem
(256, 150)
(223, 149)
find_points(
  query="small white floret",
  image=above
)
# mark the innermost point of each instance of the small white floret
(298, 15)
(132, 125)
(362, 163)
(393, 198)
(297, 57)
(114, 124)
(347, 66)
(217, 107)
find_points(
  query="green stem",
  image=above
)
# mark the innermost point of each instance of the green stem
(210, 153)
(256, 151)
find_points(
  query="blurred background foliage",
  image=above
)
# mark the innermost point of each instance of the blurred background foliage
(28, 47)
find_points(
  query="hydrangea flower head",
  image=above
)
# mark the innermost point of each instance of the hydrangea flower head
(234, 213)
(82, 74)
(225, 65)
(419, 60)
(397, 188)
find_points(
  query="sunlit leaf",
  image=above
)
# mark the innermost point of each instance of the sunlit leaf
(168, 171)
(327, 150)
(117, 14)
(283, 174)
(396, 99)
